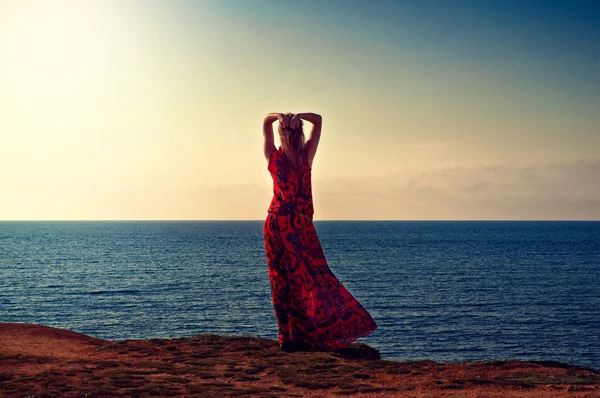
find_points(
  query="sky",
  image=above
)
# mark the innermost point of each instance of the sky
(432, 110)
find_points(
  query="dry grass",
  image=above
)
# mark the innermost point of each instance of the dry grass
(216, 366)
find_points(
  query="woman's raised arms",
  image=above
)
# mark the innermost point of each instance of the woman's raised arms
(269, 145)
(315, 133)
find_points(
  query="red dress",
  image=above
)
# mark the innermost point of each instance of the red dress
(311, 304)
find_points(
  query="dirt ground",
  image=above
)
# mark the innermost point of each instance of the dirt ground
(39, 361)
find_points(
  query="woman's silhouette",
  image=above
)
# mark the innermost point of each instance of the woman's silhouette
(313, 309)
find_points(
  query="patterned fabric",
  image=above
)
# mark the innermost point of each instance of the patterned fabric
(290, 193)
(311, 304)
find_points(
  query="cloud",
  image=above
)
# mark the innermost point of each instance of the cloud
(561, 190)
(427, 146)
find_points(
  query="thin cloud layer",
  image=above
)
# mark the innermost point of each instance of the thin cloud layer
(552, 191)
(565, 190)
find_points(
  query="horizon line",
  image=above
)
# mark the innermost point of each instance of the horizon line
(318, 220)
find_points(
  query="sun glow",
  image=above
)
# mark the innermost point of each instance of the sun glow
(144, 109)
(62, 47)
(66, 75)
(52, 38)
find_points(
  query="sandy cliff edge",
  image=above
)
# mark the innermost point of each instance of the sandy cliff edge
(38, 360)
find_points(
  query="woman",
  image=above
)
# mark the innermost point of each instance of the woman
(314, 310)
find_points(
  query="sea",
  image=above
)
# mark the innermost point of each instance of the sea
(446, 291)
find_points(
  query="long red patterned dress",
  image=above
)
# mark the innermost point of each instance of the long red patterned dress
(311, 304)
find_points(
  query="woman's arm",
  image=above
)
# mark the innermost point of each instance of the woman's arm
(315, 133)
(269, 144)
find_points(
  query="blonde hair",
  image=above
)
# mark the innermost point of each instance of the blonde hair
(292, 143)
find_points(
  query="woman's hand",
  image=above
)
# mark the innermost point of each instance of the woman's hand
(295, 121)
(283, 119)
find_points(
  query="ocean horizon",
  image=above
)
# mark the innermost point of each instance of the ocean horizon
(443, 290)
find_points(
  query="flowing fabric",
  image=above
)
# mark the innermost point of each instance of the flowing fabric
(311, 304)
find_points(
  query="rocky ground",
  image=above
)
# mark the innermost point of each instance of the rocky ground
(38, 361)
